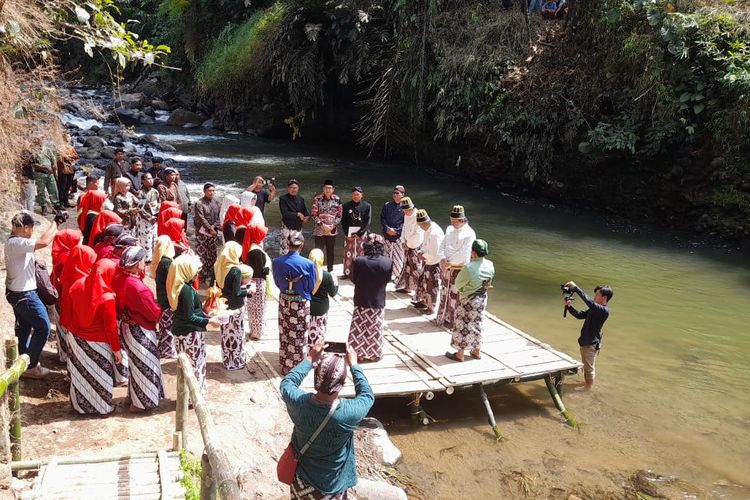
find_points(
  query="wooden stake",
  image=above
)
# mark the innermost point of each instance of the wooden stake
(208, 486)
(182, 408)
(9, 380)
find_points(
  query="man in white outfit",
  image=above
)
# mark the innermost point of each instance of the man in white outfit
(411, 238)
(428, 286)
(455, 253)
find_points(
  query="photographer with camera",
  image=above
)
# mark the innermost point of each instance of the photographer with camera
(264, 190)
(593, 321)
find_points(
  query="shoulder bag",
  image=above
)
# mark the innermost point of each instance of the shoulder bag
(286, 468)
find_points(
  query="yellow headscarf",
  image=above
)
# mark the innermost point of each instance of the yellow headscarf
(228, 258)
(182, 271)
(164, 248)
(246, 271)
(316, 255)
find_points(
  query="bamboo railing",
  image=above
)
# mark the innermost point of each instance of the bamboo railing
(15, 365)
(217, 474)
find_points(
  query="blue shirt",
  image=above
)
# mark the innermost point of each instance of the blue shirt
(328, 464)
(296, 265)
(550, 6)
(392, 216)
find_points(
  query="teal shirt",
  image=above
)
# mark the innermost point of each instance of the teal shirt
(189, 317)
(328, 464)
(473, 275)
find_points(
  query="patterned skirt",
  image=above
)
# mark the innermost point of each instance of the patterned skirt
(146, 387)
(467, 329)
(193, 345)
(428, 289)
(122, 369)
(409, 278)
(62, 343)
(205, 247)
(449, 298)
(352, 250)
(294, 320)
(302, 490)
(366, 332)
(91, 367)
(284, 240)
(146, 234)
(233, 341)
(165, 337)
(318, 327)
(256, 309)
(395, 250)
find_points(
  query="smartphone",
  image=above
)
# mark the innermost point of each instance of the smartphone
(336, 347)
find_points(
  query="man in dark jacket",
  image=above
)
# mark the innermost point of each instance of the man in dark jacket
(294, 214)
(355, 222)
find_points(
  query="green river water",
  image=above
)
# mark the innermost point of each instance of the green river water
(672, 372)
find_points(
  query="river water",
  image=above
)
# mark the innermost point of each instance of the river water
(670, 392)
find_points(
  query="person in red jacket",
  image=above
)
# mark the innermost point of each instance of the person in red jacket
(139, 313)
(95, 341)
(62, 244)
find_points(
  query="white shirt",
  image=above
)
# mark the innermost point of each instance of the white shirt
(411, 233)
(19, 264)
(433, 238)
(456, 247)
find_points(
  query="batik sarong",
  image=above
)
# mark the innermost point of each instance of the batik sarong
(318, 327)
(366, 332)
(294, 320)
(284, 242)
(302, 490)
(146, 386)
(467, 324)
(164, 335)
(205, 247)
(62, 343)
(395, 250)
(122, 369)
(428, 288)
(411, 272)
(193, 345)
(448, 297)
(256, 309)
(233, 341)
(91, 367)
(352, 250)
(146, 234)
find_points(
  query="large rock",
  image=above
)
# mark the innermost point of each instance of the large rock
(128, 117)
(373, 435)
(131, 101)
(159, 104)
(181, 117)
(208, 123)
(149, 139)
(367, 489)
(108, 152)
(95, 142)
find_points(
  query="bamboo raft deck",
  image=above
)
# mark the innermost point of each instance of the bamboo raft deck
(414, 349)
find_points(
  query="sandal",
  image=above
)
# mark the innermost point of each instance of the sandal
(476, 354)
(453, 356)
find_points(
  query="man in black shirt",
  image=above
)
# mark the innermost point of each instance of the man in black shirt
(355, 221)
(135, 174)
(263, 194)
(293, 213)
(593, 321)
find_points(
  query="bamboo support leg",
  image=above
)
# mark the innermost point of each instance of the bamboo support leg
(418, 415)
(558, 380)
(208, 485)
(559, 403)
(14, 401)
(490, 415)
(181, 414)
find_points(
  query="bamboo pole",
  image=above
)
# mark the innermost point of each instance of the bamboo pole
(226, 482)
(559, 403)
(9, 380)
(208, 485)
(182, 410)
(490, 414)
(36, 464)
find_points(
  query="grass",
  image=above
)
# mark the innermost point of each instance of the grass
(191, 480)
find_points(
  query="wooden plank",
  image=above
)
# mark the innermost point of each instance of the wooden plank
(164, 475)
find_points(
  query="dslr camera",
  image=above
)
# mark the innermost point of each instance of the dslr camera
(568, 295)
(61, 216)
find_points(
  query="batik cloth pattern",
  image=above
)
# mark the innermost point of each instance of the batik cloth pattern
(284, 242)
(62, 343)
(146, 386)
(412, 270)
(352, 250)
(205, 247)
(428, 288)
(146, 234)
(467, 329)
(233, 341)
(318, 328)
(395, 250)
(193, 345)
(294, 320)
(449, 297)
(91, 367)
(256, 309)
(301, 490)
(122, 369)
(366, 332)
(165, 337)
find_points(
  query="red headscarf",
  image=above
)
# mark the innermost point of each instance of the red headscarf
(244, 217)
(168, 204)
(90, 201)
(164, 216)
(233, 211)
(62, 244)
(175, 229)
(97, 289)
(255, 233)
(104, 219)
(79, 263)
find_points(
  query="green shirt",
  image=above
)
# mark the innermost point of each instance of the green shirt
(233, 290)
(319, 300)
(472, 276)
(189, 317)
(162, 270)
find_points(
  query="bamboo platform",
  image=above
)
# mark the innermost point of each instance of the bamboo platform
(147, 476)
(414, 359)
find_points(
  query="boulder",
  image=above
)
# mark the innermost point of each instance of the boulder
(372, 432)
(91, 154)
(95, 142)
(108, 152)
(147, 120)
(131, 101)
(367, 489)
(159, 104)
(208, 123)
(149, 139)
(181, 117)
(149, 111)
(128, 117)
(168, 148)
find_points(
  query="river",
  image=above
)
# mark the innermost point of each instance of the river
(670, 392)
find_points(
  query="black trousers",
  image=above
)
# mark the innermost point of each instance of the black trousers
(64, 184)
(328, 245)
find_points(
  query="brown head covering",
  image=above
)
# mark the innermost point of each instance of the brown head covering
(330, 374)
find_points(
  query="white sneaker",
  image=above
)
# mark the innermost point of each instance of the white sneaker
(38, 372)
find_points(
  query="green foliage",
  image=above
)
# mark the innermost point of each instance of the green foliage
(191, 478)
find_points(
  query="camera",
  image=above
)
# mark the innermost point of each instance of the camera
(61, 216)
(567, 290)
(568, 293)
(267, 182)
